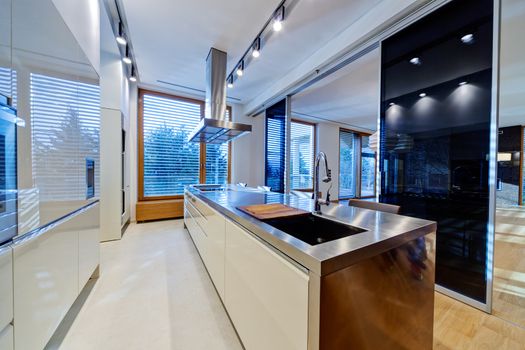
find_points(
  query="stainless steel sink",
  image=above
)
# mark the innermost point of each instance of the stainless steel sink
(313, 229)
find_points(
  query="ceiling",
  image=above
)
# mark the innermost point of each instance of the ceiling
(349, 96)
(171, 39)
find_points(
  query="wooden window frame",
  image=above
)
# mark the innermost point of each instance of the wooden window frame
(140, 144)
(314, 153)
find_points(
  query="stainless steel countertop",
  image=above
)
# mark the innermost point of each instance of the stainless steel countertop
(383, 231)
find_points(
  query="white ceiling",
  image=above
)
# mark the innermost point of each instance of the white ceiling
(171, 39)
(349, 96)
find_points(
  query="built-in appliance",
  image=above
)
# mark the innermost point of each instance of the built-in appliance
(90, 178)
(8, 183)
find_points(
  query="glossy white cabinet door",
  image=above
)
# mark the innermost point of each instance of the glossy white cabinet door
(266, 295)
(6, 338)
(6, 286)
(196, 232)
(45, 285)
(88, 244)
(215, 246)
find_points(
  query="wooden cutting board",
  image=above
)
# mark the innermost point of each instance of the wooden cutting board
(271, 211)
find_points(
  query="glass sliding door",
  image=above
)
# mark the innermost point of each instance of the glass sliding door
(435, 137)
(368, 169)
(347, 164)
(302, 153)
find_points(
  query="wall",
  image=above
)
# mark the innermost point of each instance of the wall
(248, 151)
(328, 142)
(115, 117)
(83, 19)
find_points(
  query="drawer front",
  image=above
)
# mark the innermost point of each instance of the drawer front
(45, 284)
(6, 338)
(266, 295)
(196, 212)
(198, 235)
(6, 286)
(88, 244)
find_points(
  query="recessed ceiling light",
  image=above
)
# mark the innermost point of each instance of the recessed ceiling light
(467, 39)
(422, 94)
(415, 61)
(462, 83)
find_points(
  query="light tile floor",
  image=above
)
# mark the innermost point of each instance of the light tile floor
(154, 293)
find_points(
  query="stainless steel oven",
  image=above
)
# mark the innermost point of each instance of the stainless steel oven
(8, 172)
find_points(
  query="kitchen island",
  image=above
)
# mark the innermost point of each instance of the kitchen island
(372, 289)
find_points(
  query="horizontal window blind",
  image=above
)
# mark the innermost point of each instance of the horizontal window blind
(347, 165)
(65, 125)
(301, 155)
(170, 160)
(8, 83)
(275, 147)
(217, 161)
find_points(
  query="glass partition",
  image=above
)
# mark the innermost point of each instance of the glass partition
(435, 137)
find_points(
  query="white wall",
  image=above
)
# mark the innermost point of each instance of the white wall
(83, 19)
(248, 150)
(115, 116)
(512, 63)
(328, 142)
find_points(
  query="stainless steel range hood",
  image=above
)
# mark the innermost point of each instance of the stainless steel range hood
(214, 127)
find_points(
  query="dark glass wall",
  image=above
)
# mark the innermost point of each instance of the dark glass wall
(435, 134)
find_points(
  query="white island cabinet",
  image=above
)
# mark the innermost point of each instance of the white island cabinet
(265, 294)
(206, 227)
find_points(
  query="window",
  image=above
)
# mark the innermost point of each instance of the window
(368, 168)
(275, 146)
(65, 124)
(347, 164)
(302, 150)
(168, 161)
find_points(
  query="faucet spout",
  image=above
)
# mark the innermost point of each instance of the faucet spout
(326, 179)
